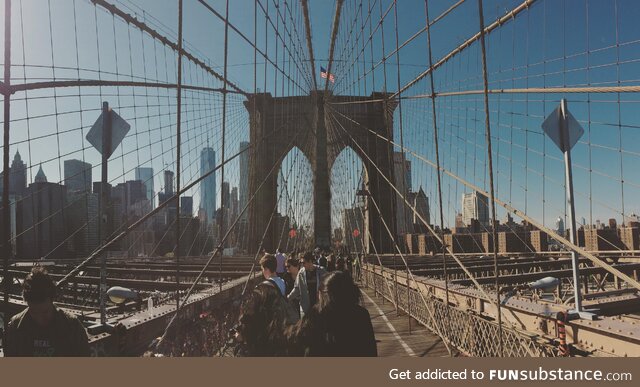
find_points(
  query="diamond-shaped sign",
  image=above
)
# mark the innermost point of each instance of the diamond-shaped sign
(119, 129)
(551, 127)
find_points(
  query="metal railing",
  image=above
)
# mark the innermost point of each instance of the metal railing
(465, 331)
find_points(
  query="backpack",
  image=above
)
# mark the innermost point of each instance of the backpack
(291, 317)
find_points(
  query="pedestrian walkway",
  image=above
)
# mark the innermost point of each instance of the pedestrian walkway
(392, 331)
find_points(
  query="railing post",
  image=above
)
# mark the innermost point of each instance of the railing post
(395, 286)
(384, 282)
(375, 282)
(409, 302)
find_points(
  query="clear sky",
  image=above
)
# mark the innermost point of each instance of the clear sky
(555, 43)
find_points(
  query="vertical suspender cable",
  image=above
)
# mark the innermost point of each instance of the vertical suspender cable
(491, 183)
(178, 129)
(437, 149)
(6, 220)
(224, 124)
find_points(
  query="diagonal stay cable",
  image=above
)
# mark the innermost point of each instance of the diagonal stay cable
(222, 241)
(122, 234)
(400, 195)
(266, 230)
(431, 230)
(595, 260)
(431, 315)
(502, 20)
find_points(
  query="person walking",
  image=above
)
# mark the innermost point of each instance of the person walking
(268, 263)
(356, 268)
(263, 320)
(265, 316)
(331, 263)
(307, 284)
(293, 267)
(280, 269)
(322, 261)
(43, 330)
(337, 325)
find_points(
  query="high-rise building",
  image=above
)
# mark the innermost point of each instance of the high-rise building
(208, 184)
(243, 196)
(77, 176)
(459, 222)
(40, 176)
(402, 170)
(234, 203)
(402, 174)
(17, 177)
(168, 182)
(40, 223)
(560, 226)
(226, 195)
(186, 206)
(475, 206)
(145, 175)
(82, 215)
(421, 204)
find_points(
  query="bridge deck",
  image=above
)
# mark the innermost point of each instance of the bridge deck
(392, 331)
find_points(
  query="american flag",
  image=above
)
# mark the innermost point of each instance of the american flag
(323, 74)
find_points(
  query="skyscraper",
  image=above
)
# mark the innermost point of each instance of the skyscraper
(402, 174)
(145, 175)
(17, 176)
(226, 195)
(234, 203)
(244, 179)
(475, 206)
(421, 204)
(402, 167)
(41, 220)
(77, 176)
(168, 182)
(186, 206)
(560, 226)
(208, 184)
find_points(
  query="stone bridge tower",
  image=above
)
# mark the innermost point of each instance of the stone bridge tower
(321, 126)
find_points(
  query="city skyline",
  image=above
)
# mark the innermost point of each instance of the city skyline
(528, 174)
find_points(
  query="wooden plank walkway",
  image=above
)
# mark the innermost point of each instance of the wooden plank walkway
(392, 331)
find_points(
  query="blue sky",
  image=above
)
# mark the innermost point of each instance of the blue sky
(552, 44)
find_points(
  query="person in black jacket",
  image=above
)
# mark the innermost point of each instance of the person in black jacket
(42, 330)
(263, 321)
(337, 325)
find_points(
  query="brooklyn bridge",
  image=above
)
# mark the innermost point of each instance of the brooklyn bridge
(473, 162)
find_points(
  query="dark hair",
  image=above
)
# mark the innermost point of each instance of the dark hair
(338, 294)
(293, 262)
(340, 264)
(270, 262)
(308, 257)
(338, 291)
(38, 287)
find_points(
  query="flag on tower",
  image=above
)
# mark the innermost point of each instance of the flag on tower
(323, 74)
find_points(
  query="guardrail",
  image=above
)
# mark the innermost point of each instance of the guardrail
(465, 331)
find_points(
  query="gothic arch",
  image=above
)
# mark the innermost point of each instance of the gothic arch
(321, 128)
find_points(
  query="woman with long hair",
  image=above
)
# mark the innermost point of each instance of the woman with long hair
(337, 325)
